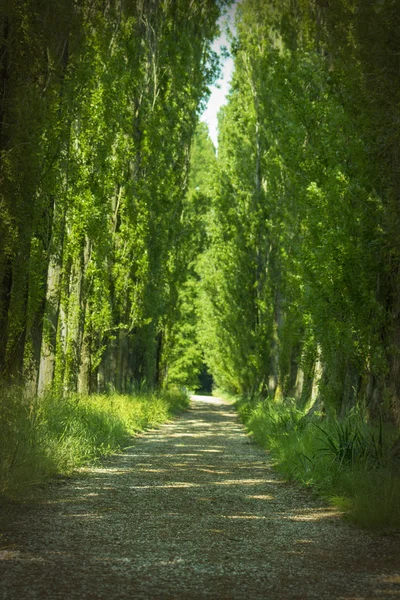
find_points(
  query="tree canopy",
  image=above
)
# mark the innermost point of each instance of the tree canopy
(99, 105)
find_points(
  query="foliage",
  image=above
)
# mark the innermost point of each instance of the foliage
(183, 356)
(54, 435)
(299, 277)
(298, 289)
(350, 463)
(95, 139)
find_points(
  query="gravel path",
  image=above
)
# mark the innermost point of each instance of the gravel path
(192, 510)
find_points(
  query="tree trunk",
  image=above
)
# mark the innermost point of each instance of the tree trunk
(85, 369)
(76, 302)
(5, 298)
(121, 360)
(394, 383)
(50, 325)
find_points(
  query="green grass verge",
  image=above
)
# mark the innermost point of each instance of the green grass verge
(353, 463)
(50, 436)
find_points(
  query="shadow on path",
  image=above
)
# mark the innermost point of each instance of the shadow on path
(192, 510)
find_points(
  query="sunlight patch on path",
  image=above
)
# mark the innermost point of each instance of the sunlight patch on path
(214, 400)
(191, 511)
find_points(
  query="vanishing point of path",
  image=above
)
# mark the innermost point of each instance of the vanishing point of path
(191, 510)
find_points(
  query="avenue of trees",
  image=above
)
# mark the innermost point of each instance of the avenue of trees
(275, 262)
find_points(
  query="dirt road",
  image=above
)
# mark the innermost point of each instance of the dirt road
(190, 511)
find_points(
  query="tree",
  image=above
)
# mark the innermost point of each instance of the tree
(295, 282)
(95, 138)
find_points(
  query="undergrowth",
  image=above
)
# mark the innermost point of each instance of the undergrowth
(353, 463)
(40, 438)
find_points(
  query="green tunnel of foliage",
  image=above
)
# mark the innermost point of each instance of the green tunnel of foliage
(131, 253)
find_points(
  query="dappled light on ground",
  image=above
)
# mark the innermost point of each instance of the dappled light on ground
(191, 510)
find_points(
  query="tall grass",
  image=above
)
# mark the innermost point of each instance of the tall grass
(44, 437)
(352, 463)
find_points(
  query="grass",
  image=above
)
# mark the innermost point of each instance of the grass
(350, 463)
(40, 438)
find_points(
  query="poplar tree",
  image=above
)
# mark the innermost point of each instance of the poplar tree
(99, 106)
(298, 282)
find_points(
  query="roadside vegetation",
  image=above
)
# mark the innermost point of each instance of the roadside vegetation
(54, 435)
(353, 463)
(133, 255)
(299, 289)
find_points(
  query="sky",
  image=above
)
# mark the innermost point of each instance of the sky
(218, 94)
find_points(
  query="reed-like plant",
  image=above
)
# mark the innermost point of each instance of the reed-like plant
(351, 462)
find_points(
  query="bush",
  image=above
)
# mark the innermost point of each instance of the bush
(52, 435)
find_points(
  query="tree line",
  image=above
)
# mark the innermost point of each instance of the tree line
(300, 288)
(99, 103)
